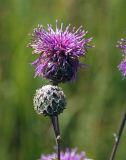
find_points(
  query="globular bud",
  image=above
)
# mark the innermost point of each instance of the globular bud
(49, 100)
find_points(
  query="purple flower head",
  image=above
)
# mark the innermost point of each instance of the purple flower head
(122, 66)
(59, 51)
(67, 155)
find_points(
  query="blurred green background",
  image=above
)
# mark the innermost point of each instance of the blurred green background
(96, 101)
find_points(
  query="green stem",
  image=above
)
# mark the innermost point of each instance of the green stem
(117, 138)
(55, 123)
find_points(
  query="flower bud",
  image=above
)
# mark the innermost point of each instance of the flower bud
(49, 100)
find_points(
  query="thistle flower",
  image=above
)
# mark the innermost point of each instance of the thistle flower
(49, 100)
(122, 66)
(58, 52)
(67, 155)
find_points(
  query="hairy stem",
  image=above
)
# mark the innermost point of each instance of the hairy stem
(55, 123)
(117, 137)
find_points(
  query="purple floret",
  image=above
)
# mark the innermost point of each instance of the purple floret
(67, 155)
(122, 45)
(122, 66)
(59, 52)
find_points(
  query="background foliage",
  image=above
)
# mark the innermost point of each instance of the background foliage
(96, 101)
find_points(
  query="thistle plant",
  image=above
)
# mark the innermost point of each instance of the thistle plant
(58, 53)
(122, 67)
